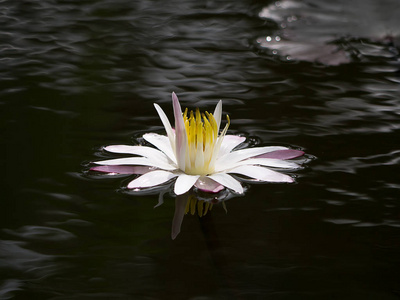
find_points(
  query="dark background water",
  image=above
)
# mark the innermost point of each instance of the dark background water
(77, 75)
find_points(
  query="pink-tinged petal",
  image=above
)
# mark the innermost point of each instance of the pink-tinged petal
(208, 185)
(180, 206)
(140, 161)
(166, 123)
(229, 143)
(282, 154)
(236, 156)
(184, 183)
(122, 169)
(227, 181)
(162, 143)
(151, 179)
(180, 133)
(138, 150)
(261, 173)
(218, 114)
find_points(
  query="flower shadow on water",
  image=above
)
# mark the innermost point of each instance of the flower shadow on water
(197, 158)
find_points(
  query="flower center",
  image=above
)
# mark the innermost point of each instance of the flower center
(203, 142)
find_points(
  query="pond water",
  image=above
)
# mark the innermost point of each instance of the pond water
(320, 76)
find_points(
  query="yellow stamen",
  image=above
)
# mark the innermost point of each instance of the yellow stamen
(203, 142)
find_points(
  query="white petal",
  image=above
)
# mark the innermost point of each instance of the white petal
(229, 143)
(138, 150)
(261, 173)
(218, 144)
(242, 154)
(267, 162)
(139, 161)
(228, 181)
(162, 143)
(150, 179)
(166, 123)
(180, 133)
(218, 113)
(184, 183)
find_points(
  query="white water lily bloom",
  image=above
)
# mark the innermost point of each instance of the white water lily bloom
(197, 154)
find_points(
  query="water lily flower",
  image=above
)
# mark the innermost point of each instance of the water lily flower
(196, 153)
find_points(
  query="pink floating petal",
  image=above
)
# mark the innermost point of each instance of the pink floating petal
(122, 169)
(208, 185)
(282, 154)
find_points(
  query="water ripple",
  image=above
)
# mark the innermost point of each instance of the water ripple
(354, 164)
(41, 233)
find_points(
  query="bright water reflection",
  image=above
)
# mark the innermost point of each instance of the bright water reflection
(333, 34)
(75, 76)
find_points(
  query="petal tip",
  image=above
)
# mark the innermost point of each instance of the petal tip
(110, 148)
(174, 234)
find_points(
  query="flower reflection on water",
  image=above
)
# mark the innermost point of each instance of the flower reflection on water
(188, 203)
(197, 156)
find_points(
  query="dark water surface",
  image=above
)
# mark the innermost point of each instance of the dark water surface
(323, 76)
